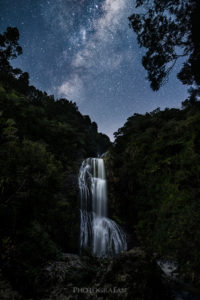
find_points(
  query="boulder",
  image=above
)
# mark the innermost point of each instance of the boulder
(129, 275)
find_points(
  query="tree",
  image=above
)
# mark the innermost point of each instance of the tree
(169, 30)
(9, 48)
(43, 142)
(154, 180)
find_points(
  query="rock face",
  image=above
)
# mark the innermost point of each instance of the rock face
(137, 275)
(7, 292)
(130, 275)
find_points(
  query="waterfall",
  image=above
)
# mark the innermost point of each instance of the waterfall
(98, 233)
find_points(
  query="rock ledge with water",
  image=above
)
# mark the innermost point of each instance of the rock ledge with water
(129, 275)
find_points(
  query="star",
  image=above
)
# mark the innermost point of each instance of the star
(85, 51)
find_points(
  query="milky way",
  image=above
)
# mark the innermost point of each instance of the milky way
(84, 50)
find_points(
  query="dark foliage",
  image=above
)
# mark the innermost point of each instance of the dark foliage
(169, 30)
(42, 143)
(154, 167)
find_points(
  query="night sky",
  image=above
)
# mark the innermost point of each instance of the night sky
(85, 51)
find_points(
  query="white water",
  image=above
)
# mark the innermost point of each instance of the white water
(98, 233)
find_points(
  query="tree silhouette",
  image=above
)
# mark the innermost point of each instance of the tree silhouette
(169, 30)
(9, 48)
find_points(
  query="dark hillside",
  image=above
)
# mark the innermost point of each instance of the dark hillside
(155, 182)
(42, 143)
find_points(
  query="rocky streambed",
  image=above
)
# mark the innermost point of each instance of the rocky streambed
(130, 275)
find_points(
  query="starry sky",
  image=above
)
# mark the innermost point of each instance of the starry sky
(85, 51)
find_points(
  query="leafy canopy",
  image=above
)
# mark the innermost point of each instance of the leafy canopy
(169, 30)
(42, 143)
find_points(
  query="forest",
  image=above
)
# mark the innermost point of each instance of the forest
(153, 168)
(154, 183)
(43, 141)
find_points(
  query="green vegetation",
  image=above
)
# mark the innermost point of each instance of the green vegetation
(154, 164)
(169, 30)
(43, 142)
(154, 171)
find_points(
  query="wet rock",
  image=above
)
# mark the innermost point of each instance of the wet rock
(130, 275)
(7, 292)
(135, 276)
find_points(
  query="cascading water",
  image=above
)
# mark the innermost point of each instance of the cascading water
(97, 232)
